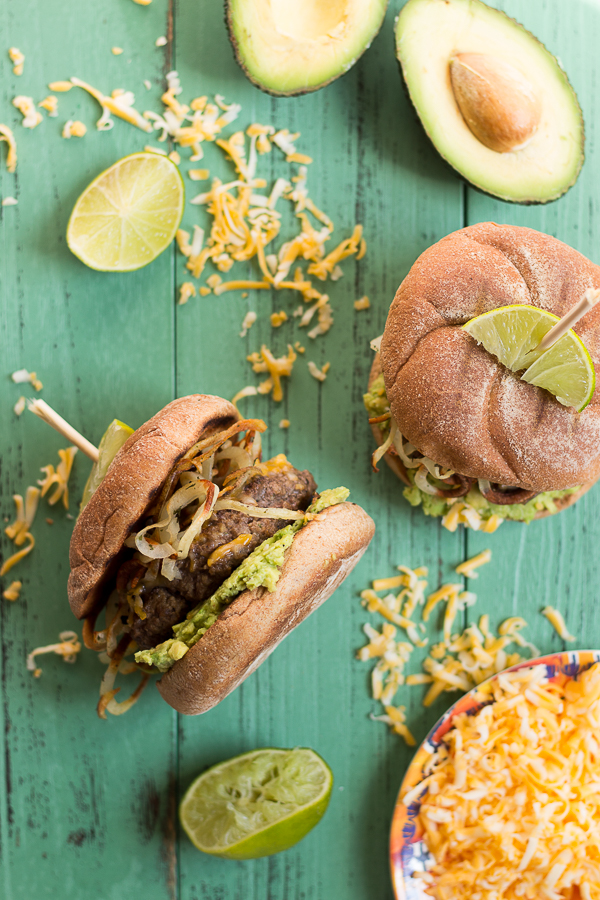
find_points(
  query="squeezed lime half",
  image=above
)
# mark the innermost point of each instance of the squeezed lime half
(257, 804)
(513, 333)
(128, 215)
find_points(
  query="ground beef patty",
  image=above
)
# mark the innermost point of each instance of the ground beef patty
(283, 487)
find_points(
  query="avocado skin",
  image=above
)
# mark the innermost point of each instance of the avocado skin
(461, 175)
(300, 91)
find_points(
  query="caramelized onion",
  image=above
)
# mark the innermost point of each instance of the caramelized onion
(493, 493)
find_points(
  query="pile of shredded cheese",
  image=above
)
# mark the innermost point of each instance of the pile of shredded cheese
(511, 798)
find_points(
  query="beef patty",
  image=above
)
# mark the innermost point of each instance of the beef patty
(238, 534)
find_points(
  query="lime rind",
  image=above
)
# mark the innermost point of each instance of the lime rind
(112, 440)
(512, 334)
(257, 804)
(128, 215)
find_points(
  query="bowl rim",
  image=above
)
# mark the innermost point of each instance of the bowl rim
(403, 816)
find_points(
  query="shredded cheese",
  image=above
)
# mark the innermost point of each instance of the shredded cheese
(11, 157)
(119, 104)
(9, 201)
(186, 291)
(558, 623)
(319, 374)
(160, 42)
(467, 568)
(363, 303)
(277, 369)
(13, 591)
(17, 58)
(60, 87)
(50, 104)
(26, 106)
(68, 648)
(19, 407)
(198, 174)
(278, 318)
(59, 477)
(285, 423)
(73, 129)
(116, 51)
(509, 803)
(22, 376)
(248, 322)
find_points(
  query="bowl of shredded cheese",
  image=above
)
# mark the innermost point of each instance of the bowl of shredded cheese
(502, 799)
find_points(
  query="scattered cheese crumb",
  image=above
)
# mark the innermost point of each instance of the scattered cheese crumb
(363, 303)
(26, 106)
(68, 648)
(319, 374)
(13, 590)
(143, 2)
(277, 319)
(468, 567)
(150, 149)
(18, 59)
(11, 157)
(249, 391)
(50, 104)
(175, 157)
(73, 129)
(60, 87)
(558, 623)
(285, 423)
(249, 320)
(22, 376)
(120, 104)
(116, 51)
(147, 84)
(19, 407)
(161, 41)
(9, 201)
(298, 346)
(198, 174)
(204, 291)
(186, 291)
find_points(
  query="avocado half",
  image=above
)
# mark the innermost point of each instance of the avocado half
(289, 47)
(430, 34)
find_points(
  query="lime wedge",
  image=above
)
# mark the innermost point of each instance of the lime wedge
(128, 215)
(512, 334)
(256, 804)
(113, 439)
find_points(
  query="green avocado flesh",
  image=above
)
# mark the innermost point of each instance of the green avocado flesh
(376, 404)
(262, 568)
(429, 34)
(291, 47)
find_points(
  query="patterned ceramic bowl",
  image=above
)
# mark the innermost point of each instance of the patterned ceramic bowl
(408, 853)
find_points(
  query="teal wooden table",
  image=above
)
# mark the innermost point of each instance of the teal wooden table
(88, 807)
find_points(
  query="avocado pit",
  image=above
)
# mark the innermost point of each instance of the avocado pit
(498, 103)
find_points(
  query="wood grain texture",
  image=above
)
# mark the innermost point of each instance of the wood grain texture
(88, 808)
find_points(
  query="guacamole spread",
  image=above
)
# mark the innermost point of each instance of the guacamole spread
(376, 403)
(261, 569)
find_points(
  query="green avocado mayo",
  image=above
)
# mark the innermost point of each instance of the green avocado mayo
(376, 403)
(262, 568)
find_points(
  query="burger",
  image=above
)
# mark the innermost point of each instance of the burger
(473, 442)
(202, 557)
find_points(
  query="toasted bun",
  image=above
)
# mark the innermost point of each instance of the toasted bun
(132, 483)
(454, 401)
(321, 555)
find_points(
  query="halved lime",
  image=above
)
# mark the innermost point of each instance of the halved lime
(112, 440)
(513, 333)
(128, 215)
(257, 804)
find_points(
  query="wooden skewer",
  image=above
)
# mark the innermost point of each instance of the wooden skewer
(48, 415)
(589, 299)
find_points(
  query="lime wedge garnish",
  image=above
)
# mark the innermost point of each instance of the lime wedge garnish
(128, 215)
(113, 439)
(512, 334)
(256, 804)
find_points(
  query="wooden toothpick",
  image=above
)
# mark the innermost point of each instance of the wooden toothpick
(589, 299)
(48, 415)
